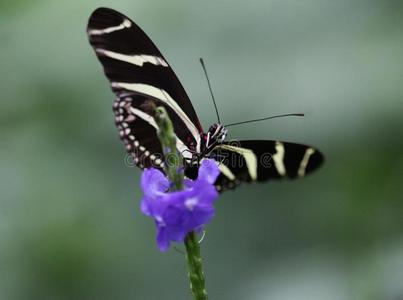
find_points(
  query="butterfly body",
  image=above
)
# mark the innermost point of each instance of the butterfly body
(140, 76)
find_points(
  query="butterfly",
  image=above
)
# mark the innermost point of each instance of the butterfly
(140, 75)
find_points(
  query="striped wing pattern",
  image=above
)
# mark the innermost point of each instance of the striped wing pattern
(263, 160)
(139, 74)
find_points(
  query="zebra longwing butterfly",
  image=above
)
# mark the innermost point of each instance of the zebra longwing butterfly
(139, 74)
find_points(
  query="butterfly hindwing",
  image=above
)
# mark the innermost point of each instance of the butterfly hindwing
(138, 134)
(139, 74)
(262, 160)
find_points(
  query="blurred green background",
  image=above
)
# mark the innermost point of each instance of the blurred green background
(70, 226)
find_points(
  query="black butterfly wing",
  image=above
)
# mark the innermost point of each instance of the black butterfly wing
(139, 74)
(262, 160)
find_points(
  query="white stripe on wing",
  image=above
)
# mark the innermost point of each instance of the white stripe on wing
(125, 24)
(305, 161)
(137, 60)
(278, 158)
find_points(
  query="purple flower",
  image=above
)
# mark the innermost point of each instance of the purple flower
(178, 213)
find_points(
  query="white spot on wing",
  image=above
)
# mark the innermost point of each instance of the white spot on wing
(130, 118)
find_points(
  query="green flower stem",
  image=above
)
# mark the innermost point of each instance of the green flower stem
(167, 137)
(174, 171)
(194, 260)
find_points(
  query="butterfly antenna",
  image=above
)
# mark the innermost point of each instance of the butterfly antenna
(209, 86)
(267, 118)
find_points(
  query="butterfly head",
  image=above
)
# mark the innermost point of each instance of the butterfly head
(215, 135)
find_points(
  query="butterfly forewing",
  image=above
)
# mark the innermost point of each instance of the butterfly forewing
(139, 74)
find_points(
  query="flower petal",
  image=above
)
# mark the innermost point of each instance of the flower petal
(168, 233)
(144, 206)
(209, 170)
(188, 183)
(173, 214)
(206, 191)
(154, 182)
(162, 239)
(198, 218)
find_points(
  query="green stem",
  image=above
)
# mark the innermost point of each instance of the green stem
(174, 171)
(194, 260)
(173, 159)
